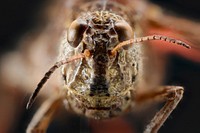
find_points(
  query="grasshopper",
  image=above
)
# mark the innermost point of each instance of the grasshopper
(102, 64)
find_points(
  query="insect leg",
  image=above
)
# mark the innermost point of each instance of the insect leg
(43, 116)
(172, 95)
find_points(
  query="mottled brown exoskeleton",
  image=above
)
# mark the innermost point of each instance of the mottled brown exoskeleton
(102, 63)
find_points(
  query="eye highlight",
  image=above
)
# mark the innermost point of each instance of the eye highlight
(124, 31)
(75, 32)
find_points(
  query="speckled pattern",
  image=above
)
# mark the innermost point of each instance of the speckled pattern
(100, 86)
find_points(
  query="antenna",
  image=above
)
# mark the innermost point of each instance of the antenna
(51, 70)
(148, 38)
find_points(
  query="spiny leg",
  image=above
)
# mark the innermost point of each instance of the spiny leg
(171, 94)
(43, 116)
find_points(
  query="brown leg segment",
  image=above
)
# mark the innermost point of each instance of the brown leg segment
(172, 95)
(43, 116)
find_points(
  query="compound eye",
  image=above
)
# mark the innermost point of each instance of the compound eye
(75, 32)
(124, 31)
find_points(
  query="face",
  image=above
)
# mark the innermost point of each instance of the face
(101, 81)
